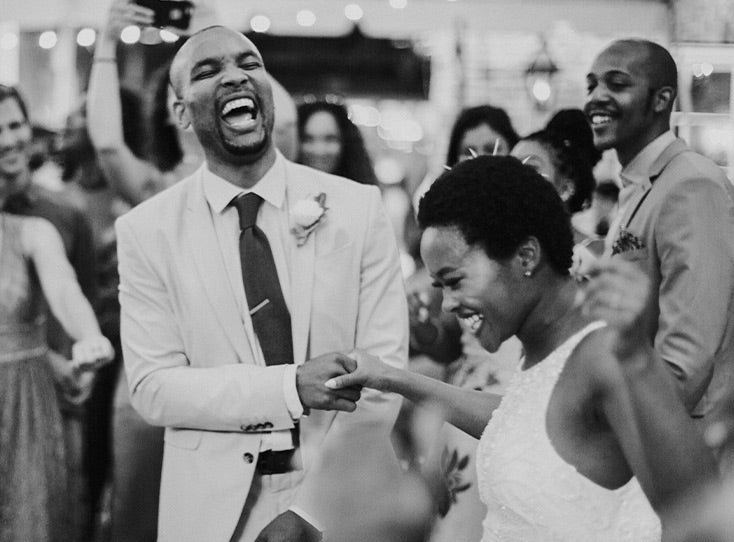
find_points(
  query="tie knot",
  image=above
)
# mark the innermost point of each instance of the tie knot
(247, 206)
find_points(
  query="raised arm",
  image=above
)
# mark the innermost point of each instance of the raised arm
(637, 394)
(128, 174)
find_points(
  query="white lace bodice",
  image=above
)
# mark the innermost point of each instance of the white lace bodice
(531, 493)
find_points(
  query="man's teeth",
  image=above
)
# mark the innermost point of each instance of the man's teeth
(473, 322)
(240, 102)
(597, 119)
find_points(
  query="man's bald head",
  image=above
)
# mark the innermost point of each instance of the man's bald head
(224, 93)
(177, 73)
(654, 59)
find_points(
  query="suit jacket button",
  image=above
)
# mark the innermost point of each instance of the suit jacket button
(248, 457)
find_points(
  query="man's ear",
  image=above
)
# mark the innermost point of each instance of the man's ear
(181, 113)
(664, 97)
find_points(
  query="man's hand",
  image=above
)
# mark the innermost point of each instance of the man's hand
(311, 376)
(289, 527)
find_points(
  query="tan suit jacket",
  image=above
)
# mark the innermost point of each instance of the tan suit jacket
(191, 366)
(681, 232)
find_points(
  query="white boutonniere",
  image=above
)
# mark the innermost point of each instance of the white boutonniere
(306, 215)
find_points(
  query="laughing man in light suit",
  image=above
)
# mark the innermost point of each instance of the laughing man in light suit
(676, 217)
(194, 362)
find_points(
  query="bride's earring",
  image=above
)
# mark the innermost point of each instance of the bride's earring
(567, 192)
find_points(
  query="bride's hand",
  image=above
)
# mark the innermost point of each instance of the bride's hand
(371, 372)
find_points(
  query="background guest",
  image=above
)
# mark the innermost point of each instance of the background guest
(332, 143)
(23, 197)
(86, 184)
(563, 152)
(676, 217)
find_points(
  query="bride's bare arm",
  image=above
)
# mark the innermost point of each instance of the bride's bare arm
(469, 410)
(638, 396)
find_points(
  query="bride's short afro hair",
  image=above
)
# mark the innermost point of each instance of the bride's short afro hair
(497, 202)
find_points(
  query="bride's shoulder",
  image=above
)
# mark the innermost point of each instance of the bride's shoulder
(595, 356)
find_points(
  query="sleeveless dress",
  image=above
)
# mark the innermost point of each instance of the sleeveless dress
(531, 493)
(34, 496)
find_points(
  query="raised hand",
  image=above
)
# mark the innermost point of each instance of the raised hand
(370, 373)
(125, 13)
(311, 378)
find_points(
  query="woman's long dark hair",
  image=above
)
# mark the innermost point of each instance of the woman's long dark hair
(354, 163)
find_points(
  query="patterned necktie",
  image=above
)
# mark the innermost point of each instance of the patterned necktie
(269, 313)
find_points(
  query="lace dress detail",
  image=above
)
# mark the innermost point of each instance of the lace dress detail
(531, 493)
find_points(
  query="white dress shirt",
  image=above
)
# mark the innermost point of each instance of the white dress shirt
(272, 219)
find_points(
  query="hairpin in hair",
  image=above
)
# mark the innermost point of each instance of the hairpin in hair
(496, 147)
(525, 160)
(473, 153)
(446, 167)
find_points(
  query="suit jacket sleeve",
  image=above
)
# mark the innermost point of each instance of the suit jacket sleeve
(694, 236)
(381, 329)
(165, 387)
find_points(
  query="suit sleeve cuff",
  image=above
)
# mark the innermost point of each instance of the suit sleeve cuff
(290, 393)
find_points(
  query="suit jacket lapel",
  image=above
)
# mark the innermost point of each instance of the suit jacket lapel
(302, 266)
(671, 151)
(207, 258)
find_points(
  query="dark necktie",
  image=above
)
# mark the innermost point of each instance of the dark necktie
(269, 313)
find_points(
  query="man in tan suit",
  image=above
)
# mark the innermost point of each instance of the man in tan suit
(245, 437)
(676, 216)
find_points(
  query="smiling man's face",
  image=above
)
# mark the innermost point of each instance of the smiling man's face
(224, 93)
(619, 100)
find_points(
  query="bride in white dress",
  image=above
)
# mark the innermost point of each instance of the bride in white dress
(591, 441)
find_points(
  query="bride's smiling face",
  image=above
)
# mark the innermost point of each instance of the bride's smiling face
(478, 289)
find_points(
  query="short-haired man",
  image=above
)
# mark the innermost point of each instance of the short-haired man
(241, 462)
(676, 216)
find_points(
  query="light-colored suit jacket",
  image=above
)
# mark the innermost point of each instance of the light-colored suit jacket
(681, 232)
(190, 364)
